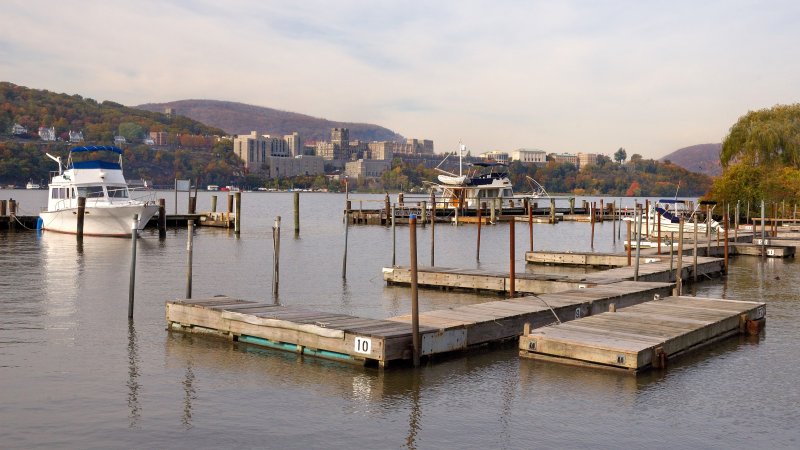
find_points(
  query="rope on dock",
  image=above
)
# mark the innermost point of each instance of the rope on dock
(551, 309)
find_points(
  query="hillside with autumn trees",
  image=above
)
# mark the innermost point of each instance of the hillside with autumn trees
(191, 149)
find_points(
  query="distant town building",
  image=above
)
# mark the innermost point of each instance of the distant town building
(148, 141)
(294, 144)
(18, 130)
(256, 150)
(119, 140)
(47, 134)
(366, 168)
(383, 150)
(414, 147)
(75, 136)
(159, 137)
(280, 167)
(564, 158)
(170, 112)
(529, 156)
(585, 159)
(495, 155)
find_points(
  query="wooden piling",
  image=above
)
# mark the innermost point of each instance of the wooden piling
(647, 217)
(492, 213)
(415, 338)
(512, 258)
(552, 210)
(725, 225)
(424, 213)
(276, 255)
(433, 228)
(213, 203)
(679, 265)
(81, 216)
(162, 218)
(763, 232)
(694, 252)
(238, 203)
(613, 222)
(530, 226)
(394, 239)
(12, 214)
(346, 232)
(658, 230)
(478, 245)
(630, 244)
(297, 211)
(3, 206)
(189, 254)
(638, 248)
(192, 205)
(592, 219)
(230, 206)
(132, 279)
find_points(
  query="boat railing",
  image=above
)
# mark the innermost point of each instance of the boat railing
(143, 195)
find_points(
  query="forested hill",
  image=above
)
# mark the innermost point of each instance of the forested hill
(703, 158)
(190, 152)
(240, 118)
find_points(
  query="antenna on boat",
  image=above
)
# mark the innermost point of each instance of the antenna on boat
(461, 148)
(677, 188)
(56, 159)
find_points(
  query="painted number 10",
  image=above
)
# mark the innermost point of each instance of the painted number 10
(363, 345)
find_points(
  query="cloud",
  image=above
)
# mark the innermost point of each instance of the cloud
(563, 76)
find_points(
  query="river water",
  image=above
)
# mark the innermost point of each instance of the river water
(74, 373)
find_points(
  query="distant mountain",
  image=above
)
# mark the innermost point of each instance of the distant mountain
(703, 158)
(240, 118)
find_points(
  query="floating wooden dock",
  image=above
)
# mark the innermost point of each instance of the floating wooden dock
(381, 342)
(643, 336)
(650, 269)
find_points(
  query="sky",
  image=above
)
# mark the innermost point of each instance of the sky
(562, 76)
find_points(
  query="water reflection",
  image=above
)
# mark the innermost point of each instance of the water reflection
(189, 396)
(415, 415)
(135, 410)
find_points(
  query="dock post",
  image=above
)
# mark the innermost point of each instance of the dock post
(552, 210)
(638, 248)
(679, 263)
(455, 223)
(237, 227)
(499, 203)
(747, 216)
(512, 257)
(3, 207)
(725, 224)
(230, 206)
(192, 205)
(572, 205)
(81, 216)
(189, 254)
(602, 211)
(276, 256)
(132, 281)
(630, 243)
(387, 206)
(647, 217)
(591, 219)
(424, 213)
(614, 222)
(346, 232)
(162, 218)
(394, 240)
(694, 253)
(433, 228)
(415, 340)
(400, 199)
(213, 203)
(12, 214)
(763, 232)
(297, 211)
(530, 226)
(671, 252)
(492, 213)
(478, 246)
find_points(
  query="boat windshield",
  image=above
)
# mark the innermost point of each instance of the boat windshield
(117, 191)
(90, 191)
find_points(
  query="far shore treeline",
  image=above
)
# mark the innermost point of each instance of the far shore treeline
(761, 155)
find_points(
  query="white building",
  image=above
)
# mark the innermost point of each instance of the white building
(75, 136)
(366, 168)
(495, 155)
(47, 134)
(18, 129)
(529, 156)
(282, 167)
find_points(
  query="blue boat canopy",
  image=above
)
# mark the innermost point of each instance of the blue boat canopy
(489, 164)
(96, 165)
(671, 201)
(97, 148)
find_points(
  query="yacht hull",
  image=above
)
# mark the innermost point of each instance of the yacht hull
(113, 220)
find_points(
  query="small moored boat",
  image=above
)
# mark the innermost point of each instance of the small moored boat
(109, 209)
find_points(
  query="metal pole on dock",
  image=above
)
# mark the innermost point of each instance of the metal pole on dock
(346, 231)
(694, 253)
(189, 252)
(276, 255)
(658, 226)
(530, 225)
(433, 228)
(512, 258)
(213, 203)
(671, 252)
(591, 219)
(630, 243)
(638, 248)
(394, 240)
(238, 204)
(725, 224)
(162, 218)
(132, 281)
(763, 232)
(415, 340)
(478, 246)
(297, 212)
(81, 216)
(614, 222)
(679, 265)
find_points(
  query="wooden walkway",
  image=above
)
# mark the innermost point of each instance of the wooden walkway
(373, 341)
(650, 269)
(643, 336)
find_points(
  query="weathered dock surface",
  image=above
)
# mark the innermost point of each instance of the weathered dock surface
(770, 249)
(643, 336)
(365, 341)
(539, 283)
(592, 259)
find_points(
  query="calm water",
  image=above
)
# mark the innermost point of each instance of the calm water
(75, 374)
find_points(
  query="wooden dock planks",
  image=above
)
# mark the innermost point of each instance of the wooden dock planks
(360, 340)
(643, 336)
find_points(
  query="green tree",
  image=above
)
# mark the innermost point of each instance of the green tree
(620, 155)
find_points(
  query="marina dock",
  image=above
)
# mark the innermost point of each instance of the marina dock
(381, 342)
(643, 336)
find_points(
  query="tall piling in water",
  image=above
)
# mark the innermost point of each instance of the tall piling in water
(512, 258)
(276, 255)
(297, 212)
(412, 243)
(189, 255)
(433, 228)
(162, 218)
(132, 279)
(81, 216)
(478, 245)
(238, 202)
(679, 265)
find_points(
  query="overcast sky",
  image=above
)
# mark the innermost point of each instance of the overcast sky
(563, 76)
